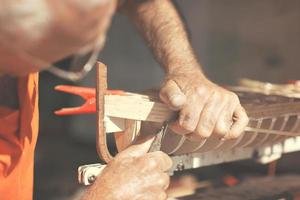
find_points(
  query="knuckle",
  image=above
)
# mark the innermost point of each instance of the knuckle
(208, 123)
(205, 134)
(164, 160)
(234, 134)
(188, 121)
(246, 119)
(164, 181)
(175, 127)
(146, 163)
(187, 127)
(162, 155)
(215, 94)
(151, 163)
(159, 155)
(177, 100)
(162, 196)
(164, 88)
(201, 133)
(243, 117)
(162, 95)
(201, 91)
(223, 125)
(221, 131)
(234, 97)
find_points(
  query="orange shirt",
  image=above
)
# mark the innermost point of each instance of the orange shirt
(18, 135)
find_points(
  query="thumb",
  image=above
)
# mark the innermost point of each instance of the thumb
(172, 95)
(140, 148)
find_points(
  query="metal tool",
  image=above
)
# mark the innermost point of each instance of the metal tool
(87, 174)
(156, 145)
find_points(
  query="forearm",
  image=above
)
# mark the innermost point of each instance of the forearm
(205, 108)
(162, 28)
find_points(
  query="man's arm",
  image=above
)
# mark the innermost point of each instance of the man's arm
(161, 26)
(204, 107)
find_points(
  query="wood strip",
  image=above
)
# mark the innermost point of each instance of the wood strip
(139, 107)
(101, 87)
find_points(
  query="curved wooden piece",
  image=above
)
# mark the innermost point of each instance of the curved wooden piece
(291, 125)
(125, 138)
(268, 136)
(101, 87)
(279, 137)
(254, 134)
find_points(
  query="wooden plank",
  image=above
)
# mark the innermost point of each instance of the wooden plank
(141, 107)
(136, 108)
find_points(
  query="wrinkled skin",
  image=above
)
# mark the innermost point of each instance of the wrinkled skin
(205, 108)
(49, 30)
(133, 174)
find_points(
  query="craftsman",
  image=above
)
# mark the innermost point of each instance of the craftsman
(34, 33)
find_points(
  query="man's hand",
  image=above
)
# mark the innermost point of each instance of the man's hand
(205, 108)
(134, 174)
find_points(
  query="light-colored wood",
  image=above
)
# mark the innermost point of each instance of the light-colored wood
(140, 107)
(136, 107)
(114, 124)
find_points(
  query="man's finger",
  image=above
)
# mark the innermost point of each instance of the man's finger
(208, 119)
(223, 124)
(225, 120)
(172, 95)
(188, 118)
(239, 124)
(159, 160)
(139, 149)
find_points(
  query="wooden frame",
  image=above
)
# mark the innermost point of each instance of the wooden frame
(272, 120)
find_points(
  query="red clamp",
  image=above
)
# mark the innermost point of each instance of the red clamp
(88, 94)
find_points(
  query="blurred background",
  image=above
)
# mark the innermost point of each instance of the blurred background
(258, 39)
